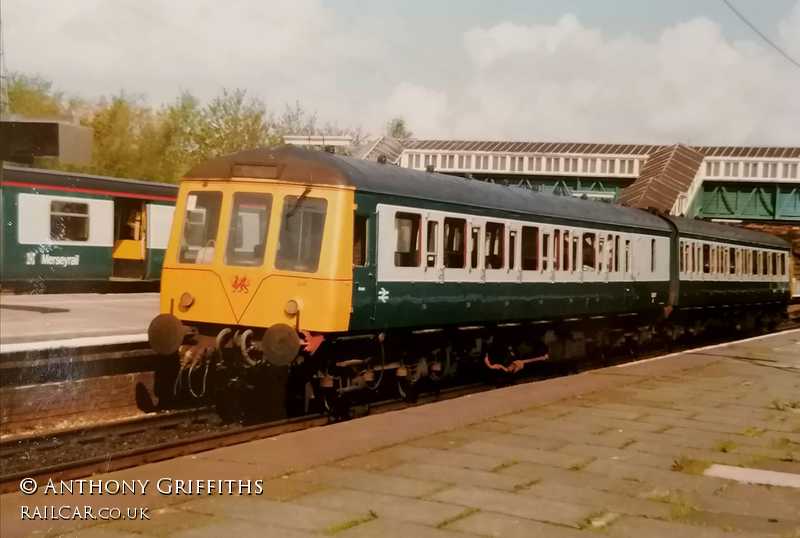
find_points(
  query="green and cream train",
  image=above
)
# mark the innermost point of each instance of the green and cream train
(341, 274)
(81, 230)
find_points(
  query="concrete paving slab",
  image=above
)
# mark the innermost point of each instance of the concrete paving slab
(544, 510)
(503, 526)
(749, 475)
(383, 506)
(42, 318)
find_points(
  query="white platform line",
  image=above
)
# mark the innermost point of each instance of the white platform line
(706, 348)
(87, 341)
(749, 475)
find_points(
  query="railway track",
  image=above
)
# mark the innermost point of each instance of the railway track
(152, 438)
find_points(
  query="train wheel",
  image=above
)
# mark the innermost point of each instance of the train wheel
(407, 390)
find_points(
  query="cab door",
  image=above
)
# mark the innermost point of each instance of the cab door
(362, 315)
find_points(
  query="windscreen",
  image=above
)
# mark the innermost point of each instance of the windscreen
(300, 240)
(200, 224)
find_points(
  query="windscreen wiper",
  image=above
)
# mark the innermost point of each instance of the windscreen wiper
(298, 202)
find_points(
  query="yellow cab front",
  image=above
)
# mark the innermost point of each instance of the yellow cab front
(256, 253)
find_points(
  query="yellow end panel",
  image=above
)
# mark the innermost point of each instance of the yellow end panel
(256, 296)
(324, 304)
(210, 303)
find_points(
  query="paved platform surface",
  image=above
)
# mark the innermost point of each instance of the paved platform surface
(623, 451)
(48, 318)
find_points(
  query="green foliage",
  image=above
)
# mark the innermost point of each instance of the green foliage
(134, 140)
(33, 96)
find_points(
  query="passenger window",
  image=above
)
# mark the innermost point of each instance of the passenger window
(476, 234)
(653, 256)
(589, 254)
(706, 259)
(557, 250)
(69, 221)
(247, 234)
(774, 263)
(300, 241)
(433, 231)
(574, 253)
(732, 261)
(494, 245)
(512, 250)
(530, 248)
(611, 258)
(601, 253)
(360, 240)
(782, 258)
(545, 251)
(567, 263)
(200, 224)
(627, 256)
(406, 226)
(617, 253)
(454, 239)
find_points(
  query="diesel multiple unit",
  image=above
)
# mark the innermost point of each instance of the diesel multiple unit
(333, 274)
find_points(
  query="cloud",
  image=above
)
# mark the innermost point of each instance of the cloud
(280, 50)
(560, 81)
(566, 81)
(421, 107)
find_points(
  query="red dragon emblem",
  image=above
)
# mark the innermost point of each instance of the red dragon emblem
(241, 284)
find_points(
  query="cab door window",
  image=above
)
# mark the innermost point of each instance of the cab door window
(200, 224)
(249, 225)
(300, 240)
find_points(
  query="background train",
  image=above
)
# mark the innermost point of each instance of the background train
(61, 228)
(320, 275)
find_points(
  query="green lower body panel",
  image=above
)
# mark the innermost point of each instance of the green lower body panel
(709, 293)
(404, 304)
(55, 262)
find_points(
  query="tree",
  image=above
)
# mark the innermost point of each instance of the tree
(397, 128)
(118, 128)
(33, 96)
(295, 120)
(133, 140)
(231, 122)
(169, 146)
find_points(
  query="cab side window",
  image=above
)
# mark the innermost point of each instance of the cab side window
(360, 240)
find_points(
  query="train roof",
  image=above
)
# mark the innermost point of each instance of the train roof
(292, 163)
(702, 229)
(87, 183)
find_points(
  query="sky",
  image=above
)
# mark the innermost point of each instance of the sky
(628, 71)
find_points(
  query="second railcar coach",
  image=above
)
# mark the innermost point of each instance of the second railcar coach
(62, 227)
